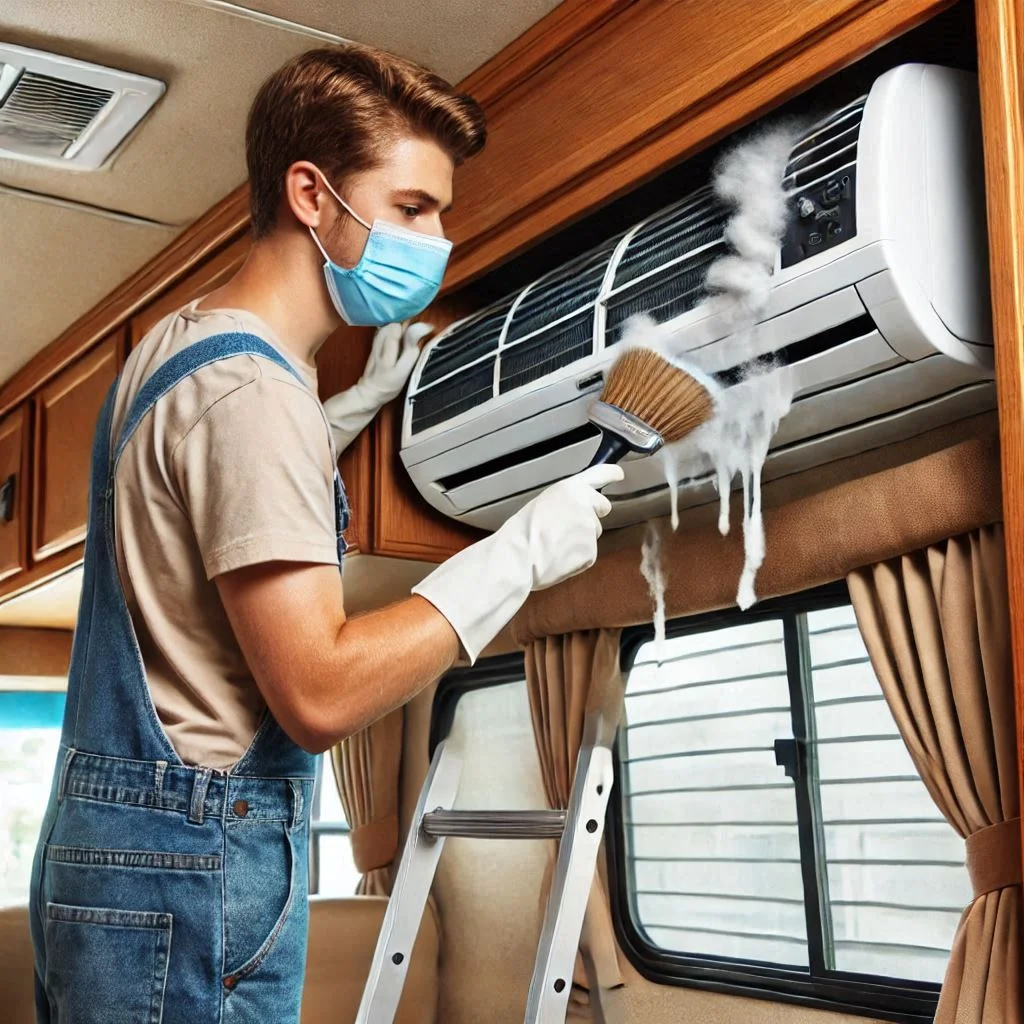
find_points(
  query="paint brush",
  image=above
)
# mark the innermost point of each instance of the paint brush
(648, 402)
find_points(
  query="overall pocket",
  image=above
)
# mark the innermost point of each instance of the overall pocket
(106, 966)
(263, 884)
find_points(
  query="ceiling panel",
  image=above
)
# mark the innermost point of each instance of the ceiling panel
(189, 153)
(56, 264)
(454, 37)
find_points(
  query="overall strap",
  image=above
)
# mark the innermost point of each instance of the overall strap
(183, 364)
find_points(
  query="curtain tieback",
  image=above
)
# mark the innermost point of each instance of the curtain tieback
(994, 857)
(375, 844)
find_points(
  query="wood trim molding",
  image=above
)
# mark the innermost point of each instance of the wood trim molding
(564, 27)
(1000, 27)
(340, 364)
(215, 229)
(804, 47)
(203, 279)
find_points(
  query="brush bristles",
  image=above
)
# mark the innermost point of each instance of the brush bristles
(664, 396)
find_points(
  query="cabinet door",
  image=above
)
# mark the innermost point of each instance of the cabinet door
(207, 276)
(14, 486)
(66, 412)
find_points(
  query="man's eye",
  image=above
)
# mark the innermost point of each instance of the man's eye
(411, 211)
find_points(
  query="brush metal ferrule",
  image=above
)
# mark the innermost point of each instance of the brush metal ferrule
(634, 432)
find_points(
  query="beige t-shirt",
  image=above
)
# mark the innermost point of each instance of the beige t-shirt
(233, 467)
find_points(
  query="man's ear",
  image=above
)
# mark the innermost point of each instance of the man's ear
(305, 195)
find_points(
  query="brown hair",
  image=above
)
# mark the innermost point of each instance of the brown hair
(339, 107)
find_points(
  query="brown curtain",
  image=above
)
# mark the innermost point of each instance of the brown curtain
(366, 769)
(568, 676)
(936, 625)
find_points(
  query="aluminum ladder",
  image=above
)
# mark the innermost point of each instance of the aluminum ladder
(578, 829)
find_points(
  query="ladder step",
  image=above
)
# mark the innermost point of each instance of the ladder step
(495, 824)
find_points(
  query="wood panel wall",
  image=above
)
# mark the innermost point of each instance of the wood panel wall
(1000, 27)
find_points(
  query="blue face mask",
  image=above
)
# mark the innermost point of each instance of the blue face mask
(397, 277)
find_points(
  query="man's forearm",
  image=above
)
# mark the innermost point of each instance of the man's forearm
(323, 675)
(382, 659)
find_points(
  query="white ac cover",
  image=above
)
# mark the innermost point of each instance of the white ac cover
(880, 304)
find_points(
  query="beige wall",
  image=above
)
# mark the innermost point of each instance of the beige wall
(487, 892)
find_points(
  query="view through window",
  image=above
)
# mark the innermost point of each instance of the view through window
(771, 813)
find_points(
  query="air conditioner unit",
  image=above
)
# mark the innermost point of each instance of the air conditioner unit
(881, 308)
(66, 113)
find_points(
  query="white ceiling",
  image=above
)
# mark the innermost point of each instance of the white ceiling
(57, 261)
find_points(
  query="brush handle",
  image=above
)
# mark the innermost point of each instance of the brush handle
(611, 449)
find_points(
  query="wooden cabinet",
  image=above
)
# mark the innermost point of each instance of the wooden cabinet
(66, 410)
(404, 525)
(207, 276)
(14, 491)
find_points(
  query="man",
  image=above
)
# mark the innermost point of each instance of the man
(213, 658)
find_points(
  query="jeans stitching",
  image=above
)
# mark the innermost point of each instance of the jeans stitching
(150, 920)
(166, 861)
(157, 1011)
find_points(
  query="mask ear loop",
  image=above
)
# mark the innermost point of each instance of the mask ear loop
(347, 208)
(323, 251)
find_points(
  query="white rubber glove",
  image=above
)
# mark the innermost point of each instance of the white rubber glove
(550, 539)
(392, 358)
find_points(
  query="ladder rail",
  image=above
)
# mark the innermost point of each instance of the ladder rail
(383, 990)
(551, 984)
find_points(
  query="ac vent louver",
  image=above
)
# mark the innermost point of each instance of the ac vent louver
(572, 312)
(663, 268)
(48, 113)
(472, 340)
(826, 150)
(67, 113)
(557, 346)
(456, 395)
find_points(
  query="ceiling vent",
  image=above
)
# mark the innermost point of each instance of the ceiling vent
(61, 112)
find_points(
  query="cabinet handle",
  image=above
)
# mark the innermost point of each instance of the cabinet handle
(7, 499)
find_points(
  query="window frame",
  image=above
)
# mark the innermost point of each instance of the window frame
(817, 986)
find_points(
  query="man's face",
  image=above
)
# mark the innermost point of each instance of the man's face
(412, 186)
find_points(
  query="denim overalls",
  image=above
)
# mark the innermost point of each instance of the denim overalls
(164, 893)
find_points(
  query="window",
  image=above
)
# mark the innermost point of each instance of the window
(30, 723)
(771, 833)
(332, 871)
